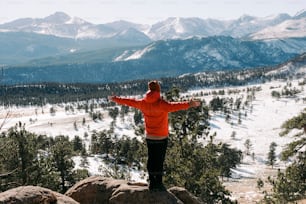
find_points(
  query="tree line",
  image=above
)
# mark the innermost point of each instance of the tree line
(42, 93)
(30, 159)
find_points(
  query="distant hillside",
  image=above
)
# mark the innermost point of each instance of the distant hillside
(158, 59)
(40, 93)
(103, 55)
(19, 47)
(16, 47)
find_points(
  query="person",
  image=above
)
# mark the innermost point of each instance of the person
(155, 111)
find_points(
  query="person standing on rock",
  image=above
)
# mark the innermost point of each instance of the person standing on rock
(155, 111)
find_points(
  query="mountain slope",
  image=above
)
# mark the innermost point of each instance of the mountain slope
(16, 47)
(58, 24)
(294, 27)
(246, 24)
(125, 25)
(296, 66)
(288, 29)
(212, 53)
(288, 45)
(61, 25)
(21, 40)
(159, 59)
(173, 28)
(96, 56)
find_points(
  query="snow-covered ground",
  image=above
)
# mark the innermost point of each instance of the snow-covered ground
(263, 121)
(261, 125)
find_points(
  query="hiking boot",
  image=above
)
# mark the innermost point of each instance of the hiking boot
(161, 187)
(153, 187)
(157, 187)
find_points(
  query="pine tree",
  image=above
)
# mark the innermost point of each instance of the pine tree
(216, 104)
(77, 144)
(248, 146)
(190, 164)
(260, 183)
(137, 117)
(228, 158)
(113, 112)
(24, 158)
(8, 165)
(291, 185)
(299, 123)
(52, 111)
(61, 157)
(272, 155)
(25, 153)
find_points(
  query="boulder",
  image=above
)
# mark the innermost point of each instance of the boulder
(34, 195)
(184, 195)
(301, 201)
(96, 190)
(93, 190)
(127, 194)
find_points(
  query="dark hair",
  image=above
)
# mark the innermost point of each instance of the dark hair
(154, 86)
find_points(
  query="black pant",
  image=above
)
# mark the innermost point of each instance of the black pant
(156, 157)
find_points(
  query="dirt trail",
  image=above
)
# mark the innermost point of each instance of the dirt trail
(245, 190)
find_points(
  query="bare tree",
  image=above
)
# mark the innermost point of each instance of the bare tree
(6, 117)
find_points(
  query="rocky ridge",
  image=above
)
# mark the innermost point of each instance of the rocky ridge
(97, 189)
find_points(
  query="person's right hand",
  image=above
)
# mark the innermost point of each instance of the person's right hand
(193, 103)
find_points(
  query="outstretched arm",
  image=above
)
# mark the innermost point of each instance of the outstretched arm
(125, 101)
(176, 106)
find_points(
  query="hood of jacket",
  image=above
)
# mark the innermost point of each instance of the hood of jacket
(152, 96)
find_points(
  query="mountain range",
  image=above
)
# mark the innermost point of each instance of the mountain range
(62, 25)
(121, 50)
(158, 59)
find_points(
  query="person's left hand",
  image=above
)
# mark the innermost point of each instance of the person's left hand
(111, 98)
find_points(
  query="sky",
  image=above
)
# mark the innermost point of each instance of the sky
(146, 11)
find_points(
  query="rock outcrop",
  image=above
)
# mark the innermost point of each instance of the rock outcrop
(94, 190)
(34, 195)
(301, 201)
(184, 195)
(97, 190)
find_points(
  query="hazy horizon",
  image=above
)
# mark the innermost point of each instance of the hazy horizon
(145, 11)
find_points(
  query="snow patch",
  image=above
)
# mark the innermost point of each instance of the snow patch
(138, 54)
(287, 29)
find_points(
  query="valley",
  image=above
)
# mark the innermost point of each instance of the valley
(58, 127)
(260, 124)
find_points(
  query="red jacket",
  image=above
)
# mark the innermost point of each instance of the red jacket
(155, 111)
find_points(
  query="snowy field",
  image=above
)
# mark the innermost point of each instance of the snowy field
(260, 123)
(262, 127)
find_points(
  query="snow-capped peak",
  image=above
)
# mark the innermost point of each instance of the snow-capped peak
(246, 18)
(76, 20)
(62, 25)
(300, 14)
(57, 18)
(176, 27)
(287, 29)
